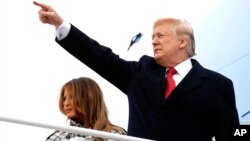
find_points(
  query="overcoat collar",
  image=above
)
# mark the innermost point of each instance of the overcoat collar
(194, 78)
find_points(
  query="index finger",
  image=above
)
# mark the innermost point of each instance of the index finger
(43, 6)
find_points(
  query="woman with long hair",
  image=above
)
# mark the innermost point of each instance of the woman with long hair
(81, 100)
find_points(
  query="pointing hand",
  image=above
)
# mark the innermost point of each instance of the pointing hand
(48, 15)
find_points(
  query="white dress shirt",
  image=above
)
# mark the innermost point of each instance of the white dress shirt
(63, 30)
(182, 70)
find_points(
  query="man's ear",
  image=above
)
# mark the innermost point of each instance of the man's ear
(183, 43)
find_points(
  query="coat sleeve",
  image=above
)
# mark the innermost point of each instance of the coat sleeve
(227, 115)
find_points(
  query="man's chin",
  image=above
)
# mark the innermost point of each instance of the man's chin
(156, 57)
(159, 60)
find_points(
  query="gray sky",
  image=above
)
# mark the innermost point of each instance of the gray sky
(33, 67)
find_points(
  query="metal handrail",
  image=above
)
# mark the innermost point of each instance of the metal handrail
(71, 129)
(82, 131)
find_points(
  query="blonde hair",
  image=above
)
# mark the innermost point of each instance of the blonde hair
(91, 109)
(182, 29)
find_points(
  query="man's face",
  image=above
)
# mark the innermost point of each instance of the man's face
(165, 44)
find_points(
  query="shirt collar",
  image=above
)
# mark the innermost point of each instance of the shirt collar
(184, 67)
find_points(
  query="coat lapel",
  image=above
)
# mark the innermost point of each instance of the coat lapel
(157, 81)
(193, 79)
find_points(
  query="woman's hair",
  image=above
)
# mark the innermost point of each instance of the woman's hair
(90, 109)
(183, 29)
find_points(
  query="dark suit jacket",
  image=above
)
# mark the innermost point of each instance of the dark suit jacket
(200, 107)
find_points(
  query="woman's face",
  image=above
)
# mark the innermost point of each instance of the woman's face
(68, 104)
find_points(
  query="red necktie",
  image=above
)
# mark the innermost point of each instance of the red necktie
(170, 83)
